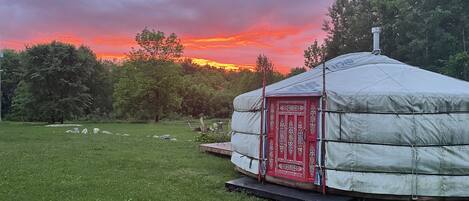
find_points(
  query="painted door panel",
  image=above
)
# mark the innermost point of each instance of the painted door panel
(292, 138)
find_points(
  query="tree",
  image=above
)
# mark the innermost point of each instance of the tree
(263, 64)
(100, 87)
(349, 27)
(22, 107)
(11, 76)
(148, 90)
(314, 55)
(458, 66)
(149, 86)
(296, 71)
(56, 76)
(155, 46)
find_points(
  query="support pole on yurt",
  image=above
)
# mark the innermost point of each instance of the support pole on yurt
(323, 124)
(261, 136)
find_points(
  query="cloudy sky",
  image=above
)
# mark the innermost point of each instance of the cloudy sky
(225, 31)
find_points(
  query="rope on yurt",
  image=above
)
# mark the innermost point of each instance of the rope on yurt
(397, 113)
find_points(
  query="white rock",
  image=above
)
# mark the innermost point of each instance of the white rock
(62, 125)
(84, 131)
(125, 134)
(95, 130)
(165, 137)
(106, 132)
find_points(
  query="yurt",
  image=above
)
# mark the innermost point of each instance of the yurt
(376, 127)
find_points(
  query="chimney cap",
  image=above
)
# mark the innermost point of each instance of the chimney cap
(376, 30)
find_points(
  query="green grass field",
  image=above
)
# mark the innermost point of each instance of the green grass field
(41, 163)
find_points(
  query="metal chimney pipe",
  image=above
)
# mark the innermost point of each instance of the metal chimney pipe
(376, 31)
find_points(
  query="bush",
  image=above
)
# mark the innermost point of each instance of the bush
(213, 137)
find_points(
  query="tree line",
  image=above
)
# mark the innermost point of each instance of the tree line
(431, 34)
(55, 82)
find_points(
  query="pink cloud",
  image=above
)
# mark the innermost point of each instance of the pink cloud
(225, 31)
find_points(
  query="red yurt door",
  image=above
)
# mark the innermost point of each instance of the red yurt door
(291, 138)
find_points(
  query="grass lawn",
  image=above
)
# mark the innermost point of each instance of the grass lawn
(41, 163)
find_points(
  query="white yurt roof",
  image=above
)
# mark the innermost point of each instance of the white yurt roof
(362, 74)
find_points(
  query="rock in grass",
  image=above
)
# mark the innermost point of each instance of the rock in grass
(95, 130)
(73, 131)
(62, 125)
(125, 134)
(84, 131)
(165, 137)
(106, 132)
(156, 136)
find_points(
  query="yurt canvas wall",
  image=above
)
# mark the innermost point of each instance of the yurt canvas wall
(391, 128)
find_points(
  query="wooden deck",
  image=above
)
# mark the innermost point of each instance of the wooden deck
(277, 192)
(223, 148)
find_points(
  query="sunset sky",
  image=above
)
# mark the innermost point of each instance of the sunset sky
(223, 31)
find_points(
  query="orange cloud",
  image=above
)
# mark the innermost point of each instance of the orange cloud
(258, 37)
(226, 66)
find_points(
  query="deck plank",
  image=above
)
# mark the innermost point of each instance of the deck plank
(223, 148)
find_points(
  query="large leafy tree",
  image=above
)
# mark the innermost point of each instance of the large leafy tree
(56, 76)
(155, 45)
(148, 87)
(148, 90)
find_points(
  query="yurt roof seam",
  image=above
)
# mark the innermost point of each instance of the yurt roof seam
(390, 77)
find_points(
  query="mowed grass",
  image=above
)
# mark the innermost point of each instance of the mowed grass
(41, 163)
